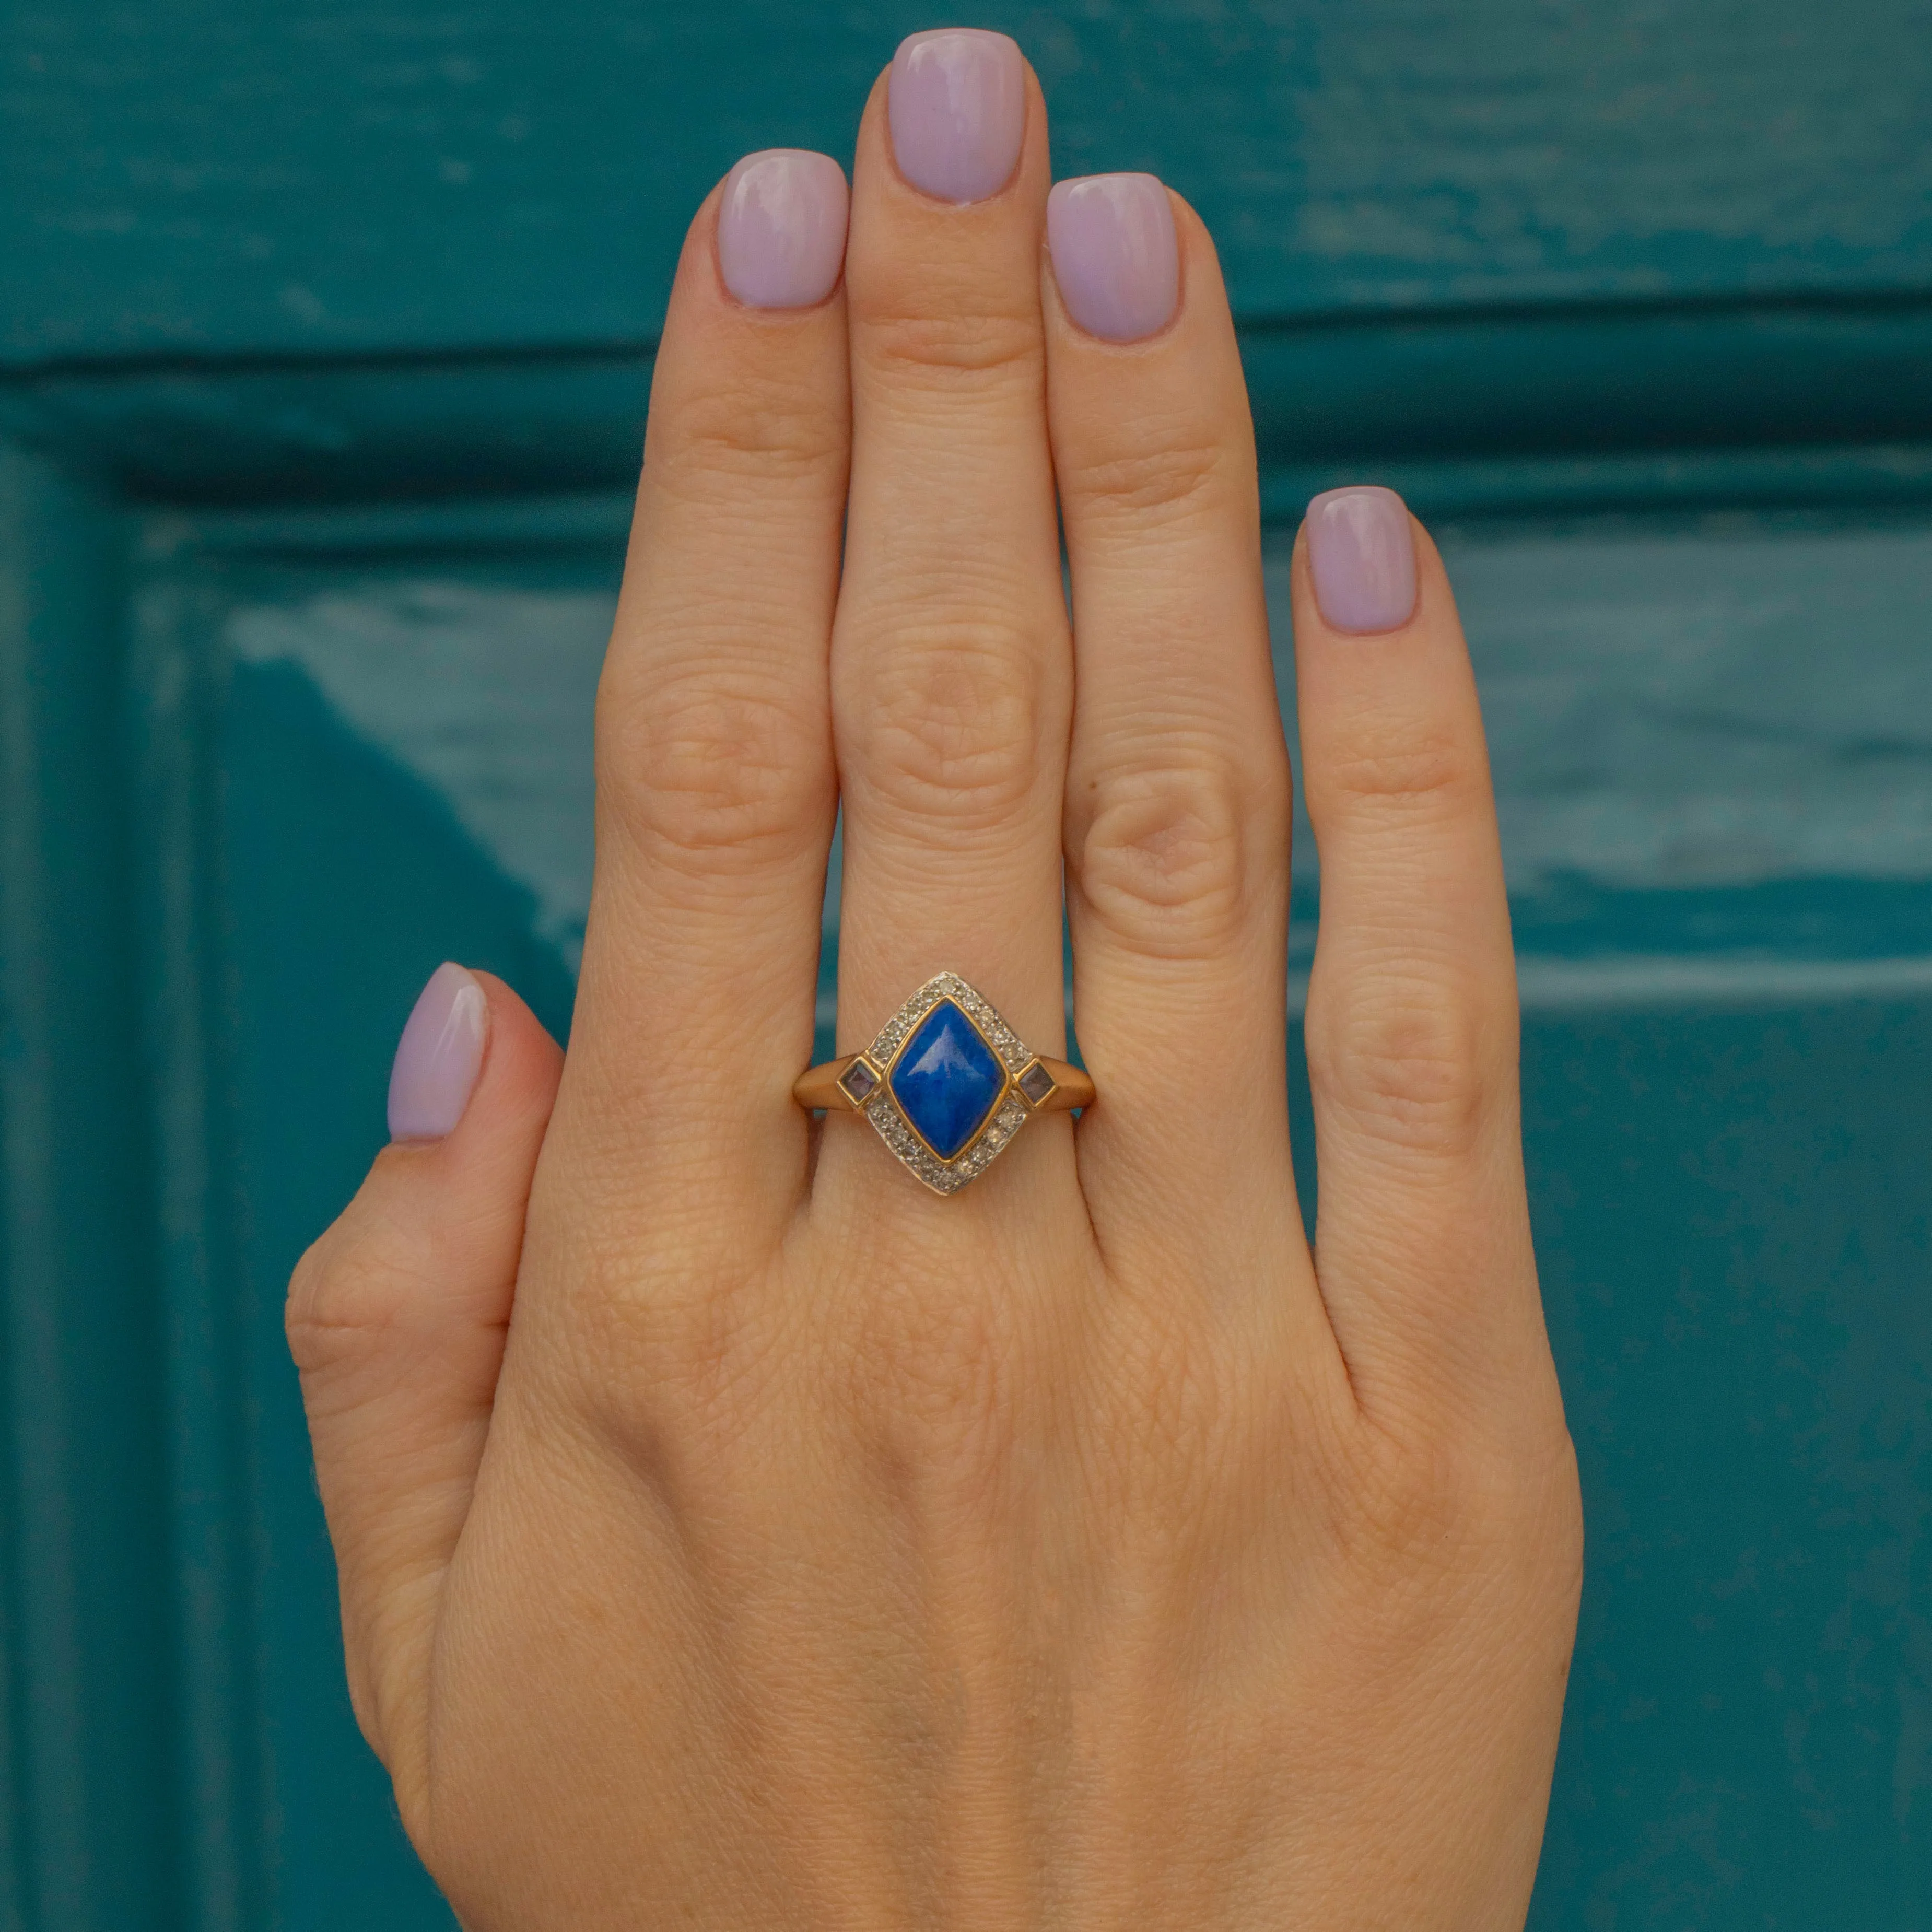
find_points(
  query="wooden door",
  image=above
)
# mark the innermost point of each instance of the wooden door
(325, 338)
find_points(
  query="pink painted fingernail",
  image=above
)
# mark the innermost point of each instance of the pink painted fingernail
(1115, 256)
(956, 104)
(1362, 558)
(438, 1056)
(782, 228)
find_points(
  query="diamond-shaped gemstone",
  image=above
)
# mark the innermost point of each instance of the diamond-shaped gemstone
(858, 1080)
(1035, 1083)
(947, 1079)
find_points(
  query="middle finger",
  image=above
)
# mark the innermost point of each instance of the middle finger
(952, 669)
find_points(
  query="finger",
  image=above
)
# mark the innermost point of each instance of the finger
(1177, 792)
(951, 670)
(1422, 1236)
(396, 1319)
(715, 793)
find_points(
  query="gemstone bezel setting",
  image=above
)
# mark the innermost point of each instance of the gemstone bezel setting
(1009, 1112)
(947, 1080)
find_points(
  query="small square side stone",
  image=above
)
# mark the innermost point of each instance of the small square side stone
(1035, 1083)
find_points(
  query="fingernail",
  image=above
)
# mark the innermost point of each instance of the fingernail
(956, 104)
(1115, 256)
(438, 1056)
(1363, 559)
(782, 228)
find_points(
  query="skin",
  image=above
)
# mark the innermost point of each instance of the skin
(733, 1533)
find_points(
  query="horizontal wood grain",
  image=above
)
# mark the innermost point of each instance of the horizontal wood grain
(210, 177)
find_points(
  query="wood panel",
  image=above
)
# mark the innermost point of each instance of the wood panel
(325, 336)
(197, 178)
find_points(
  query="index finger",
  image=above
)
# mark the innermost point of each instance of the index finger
(715, 787)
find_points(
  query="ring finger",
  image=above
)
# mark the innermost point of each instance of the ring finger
(951, 665)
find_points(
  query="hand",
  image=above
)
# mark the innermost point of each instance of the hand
(1078, 1551)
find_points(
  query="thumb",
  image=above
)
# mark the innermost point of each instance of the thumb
(396, 1319)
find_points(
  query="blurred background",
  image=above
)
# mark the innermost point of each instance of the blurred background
(325, 334)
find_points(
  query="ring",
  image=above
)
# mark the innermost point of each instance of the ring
(947, 1083)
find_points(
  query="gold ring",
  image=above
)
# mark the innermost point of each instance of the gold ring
(947, 1083)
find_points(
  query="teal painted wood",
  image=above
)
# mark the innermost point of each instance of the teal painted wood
(93, 1828)
(1605, 256)
(1747, 400)
(1519, 259)
(1734, 1225)
(197, 178)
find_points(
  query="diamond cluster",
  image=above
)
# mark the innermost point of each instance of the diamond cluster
(948, 1176)
(945, 1176)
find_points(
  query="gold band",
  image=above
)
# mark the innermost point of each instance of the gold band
(818, 1088)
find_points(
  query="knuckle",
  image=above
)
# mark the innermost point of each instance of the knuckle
(1441, 1542)
(681, 1355)
(939, 1377)
(1404, 1512)
(344, 1299)
(1420, 768)
(1165, 858)
(1405, 1053)
(915, 337)
(716, 440)
(1168, 467)
(1444, 1507)
(305, 1321)
(1413, 1508)
(639, 1315)
(947, 1374)
(950, 723)
(708, 773)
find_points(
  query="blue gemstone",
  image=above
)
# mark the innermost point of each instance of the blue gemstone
(947, 1079)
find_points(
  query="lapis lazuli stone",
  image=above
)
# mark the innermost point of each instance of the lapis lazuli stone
(946, 1079)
